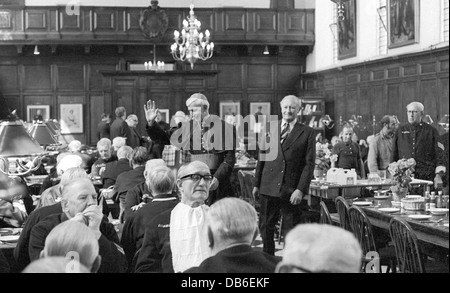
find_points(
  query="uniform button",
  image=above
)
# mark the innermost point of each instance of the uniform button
(278, 184)
(282, 171)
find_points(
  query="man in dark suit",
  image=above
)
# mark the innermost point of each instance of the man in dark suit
(115, 168)
(232, 228)
(119, 127)
(104, 127)
(283, 181)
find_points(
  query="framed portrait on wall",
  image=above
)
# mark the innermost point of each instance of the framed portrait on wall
(164, 115)
(229, 110)
(71, 118)
(346, 28)
(261, 112)
(38, 112)
(403, 22)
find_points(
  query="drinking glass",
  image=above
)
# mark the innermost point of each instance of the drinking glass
(382, 174)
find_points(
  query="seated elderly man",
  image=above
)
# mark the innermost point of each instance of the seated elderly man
(184, 227)
(79, 200)
(127, 180)
(68, 168)
(161, 181)
(113, 169)
(139, 195)
(104, 149)
(74, 239)
(319, 248)
(232, 228)
(74, 148)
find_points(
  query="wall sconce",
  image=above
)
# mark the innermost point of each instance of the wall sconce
(327, 121)
(444, 122)
(36, 50)
(427, 119)
(379, 9)
(266, 50)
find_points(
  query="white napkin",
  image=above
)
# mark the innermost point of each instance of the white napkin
(188, 236)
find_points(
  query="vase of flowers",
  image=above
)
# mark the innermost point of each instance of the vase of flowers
(401, 172)
(323, 160)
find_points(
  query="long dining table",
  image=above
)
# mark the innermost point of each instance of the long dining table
(432, 230)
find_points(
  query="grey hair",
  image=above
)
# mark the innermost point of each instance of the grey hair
(71, 174)
(291, 97)
(162, 180)
(233, 218)
(124, 152)
(416, 105)
(72, 236)
(104, 142)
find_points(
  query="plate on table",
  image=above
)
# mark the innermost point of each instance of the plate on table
(381, 197)
(389, 210)
(438, 211)
(9, 238)
(446, 225)
(419, 217)
(362, 203)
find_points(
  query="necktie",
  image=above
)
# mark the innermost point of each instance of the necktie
(284, 133)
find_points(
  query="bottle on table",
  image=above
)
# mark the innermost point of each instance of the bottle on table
(433, 200)
(427, 201)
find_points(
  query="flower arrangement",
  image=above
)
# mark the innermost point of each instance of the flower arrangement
(401, 172)
(324, 157)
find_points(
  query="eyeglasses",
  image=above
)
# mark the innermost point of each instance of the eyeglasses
(197, 177)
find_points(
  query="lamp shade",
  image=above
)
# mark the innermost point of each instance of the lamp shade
(16, 142)
(42, 134)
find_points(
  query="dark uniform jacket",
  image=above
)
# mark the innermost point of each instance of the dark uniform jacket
(238, 259)
(155, 255)
(113, 258)
(136, 224)
(293, 167)
(135, 196)
(21, 250)
(418, 142)
(113, 169)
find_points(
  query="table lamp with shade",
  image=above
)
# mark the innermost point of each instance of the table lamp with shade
(43, 135)
(15, 143)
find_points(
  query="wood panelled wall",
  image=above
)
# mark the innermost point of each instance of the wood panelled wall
(73, 76)
(383, 87)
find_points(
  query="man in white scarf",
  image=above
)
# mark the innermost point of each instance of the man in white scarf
(188, 230)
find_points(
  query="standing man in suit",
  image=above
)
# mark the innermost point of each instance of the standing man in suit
(283, 182)
(120, 127)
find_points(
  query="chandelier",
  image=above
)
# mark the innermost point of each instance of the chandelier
(191, 44)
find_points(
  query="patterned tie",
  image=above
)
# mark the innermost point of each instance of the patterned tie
(284, 133)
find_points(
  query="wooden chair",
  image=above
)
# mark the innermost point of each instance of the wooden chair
(325, 217)
(409, 256)
(342, 209)
(362, 229)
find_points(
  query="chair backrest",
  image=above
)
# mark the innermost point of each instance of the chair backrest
(407, 250)
(362, 229)
(342, 209)
(325, 217)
